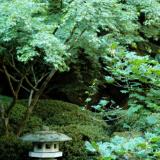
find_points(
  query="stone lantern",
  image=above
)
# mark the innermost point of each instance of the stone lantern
(46, 144)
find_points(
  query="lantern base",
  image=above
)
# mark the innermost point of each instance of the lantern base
(45, 155)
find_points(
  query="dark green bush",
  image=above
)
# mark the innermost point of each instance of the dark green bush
(54, 112)
(34, 122)
(12, 148)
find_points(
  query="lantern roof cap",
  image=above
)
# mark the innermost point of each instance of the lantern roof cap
(46, 136)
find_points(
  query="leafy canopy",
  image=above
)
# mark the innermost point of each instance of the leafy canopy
(26, 33)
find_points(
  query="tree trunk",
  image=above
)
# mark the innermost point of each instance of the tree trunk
(6, 115)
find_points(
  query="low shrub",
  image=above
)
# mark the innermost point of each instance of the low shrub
(12, 148)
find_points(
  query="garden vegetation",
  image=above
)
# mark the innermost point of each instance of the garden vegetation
(102, 55)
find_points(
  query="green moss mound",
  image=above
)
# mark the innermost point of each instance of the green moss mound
(70, 119)
(55, 112)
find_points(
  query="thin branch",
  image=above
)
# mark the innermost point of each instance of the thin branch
(71, 34)
(26, 89)
(16, 80)
(30, 84)
(19, 86)
(13, 63)
(15, 68)
(13, 78)
(42, 77)
(32, 91)
(26, 78)
(30, 97)
(9, 80)
(55, 29)
(44, 84)
(78, 37)
(34, 76)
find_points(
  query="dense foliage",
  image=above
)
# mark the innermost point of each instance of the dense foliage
(146, 147)
(13, 148)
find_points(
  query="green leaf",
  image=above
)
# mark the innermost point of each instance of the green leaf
(103, 102)
(151, 120)
(143, 145)
(133, 110)
(89, 146)
(124, 91)
(155, 140)
(109, 79)
(157, 154)
(88, 100)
